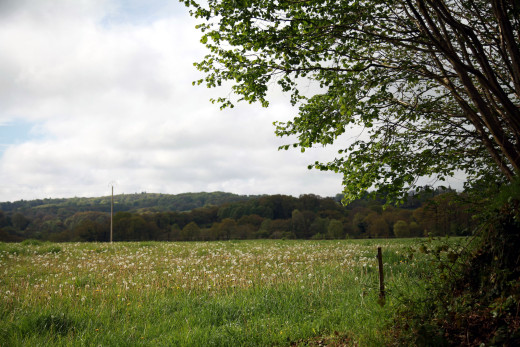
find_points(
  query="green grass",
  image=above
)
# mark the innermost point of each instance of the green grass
(250, 293)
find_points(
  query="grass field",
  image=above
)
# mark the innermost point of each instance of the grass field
(243, 293)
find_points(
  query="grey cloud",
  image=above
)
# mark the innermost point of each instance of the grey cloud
(115, 102)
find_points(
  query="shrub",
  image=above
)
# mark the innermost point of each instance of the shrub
(32, 242)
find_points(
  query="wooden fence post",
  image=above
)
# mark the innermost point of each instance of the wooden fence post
(381, 277)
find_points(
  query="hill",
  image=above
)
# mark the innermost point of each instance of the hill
(223, 216)
(138, 202)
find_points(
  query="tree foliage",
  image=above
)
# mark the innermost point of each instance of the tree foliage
(305, 217)
(125, 202)
(434, 84)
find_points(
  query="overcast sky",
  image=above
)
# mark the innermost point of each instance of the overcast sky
(99, 91)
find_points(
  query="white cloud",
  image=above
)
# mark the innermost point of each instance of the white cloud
(109, 95)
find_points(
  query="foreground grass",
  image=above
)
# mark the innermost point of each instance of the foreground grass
(248, 293)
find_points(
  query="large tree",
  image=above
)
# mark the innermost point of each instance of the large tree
(435, 84)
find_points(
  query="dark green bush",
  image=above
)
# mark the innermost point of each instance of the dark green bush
(475, 295)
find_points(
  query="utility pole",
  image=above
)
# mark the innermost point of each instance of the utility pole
(112, 215)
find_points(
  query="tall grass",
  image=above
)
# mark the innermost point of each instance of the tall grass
(248, 293)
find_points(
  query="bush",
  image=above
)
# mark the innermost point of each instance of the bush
(32, 242)
(475, 295)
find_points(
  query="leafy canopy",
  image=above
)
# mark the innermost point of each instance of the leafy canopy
(435, 84)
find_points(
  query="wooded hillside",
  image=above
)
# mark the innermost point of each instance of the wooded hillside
(223, 216)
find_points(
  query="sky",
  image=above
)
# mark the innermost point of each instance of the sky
(95, 93)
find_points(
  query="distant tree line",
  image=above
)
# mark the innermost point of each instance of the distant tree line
(141, 202)
(436, 212)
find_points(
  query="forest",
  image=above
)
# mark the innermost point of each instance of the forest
(225, 216)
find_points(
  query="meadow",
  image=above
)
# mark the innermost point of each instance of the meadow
(233, 293)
